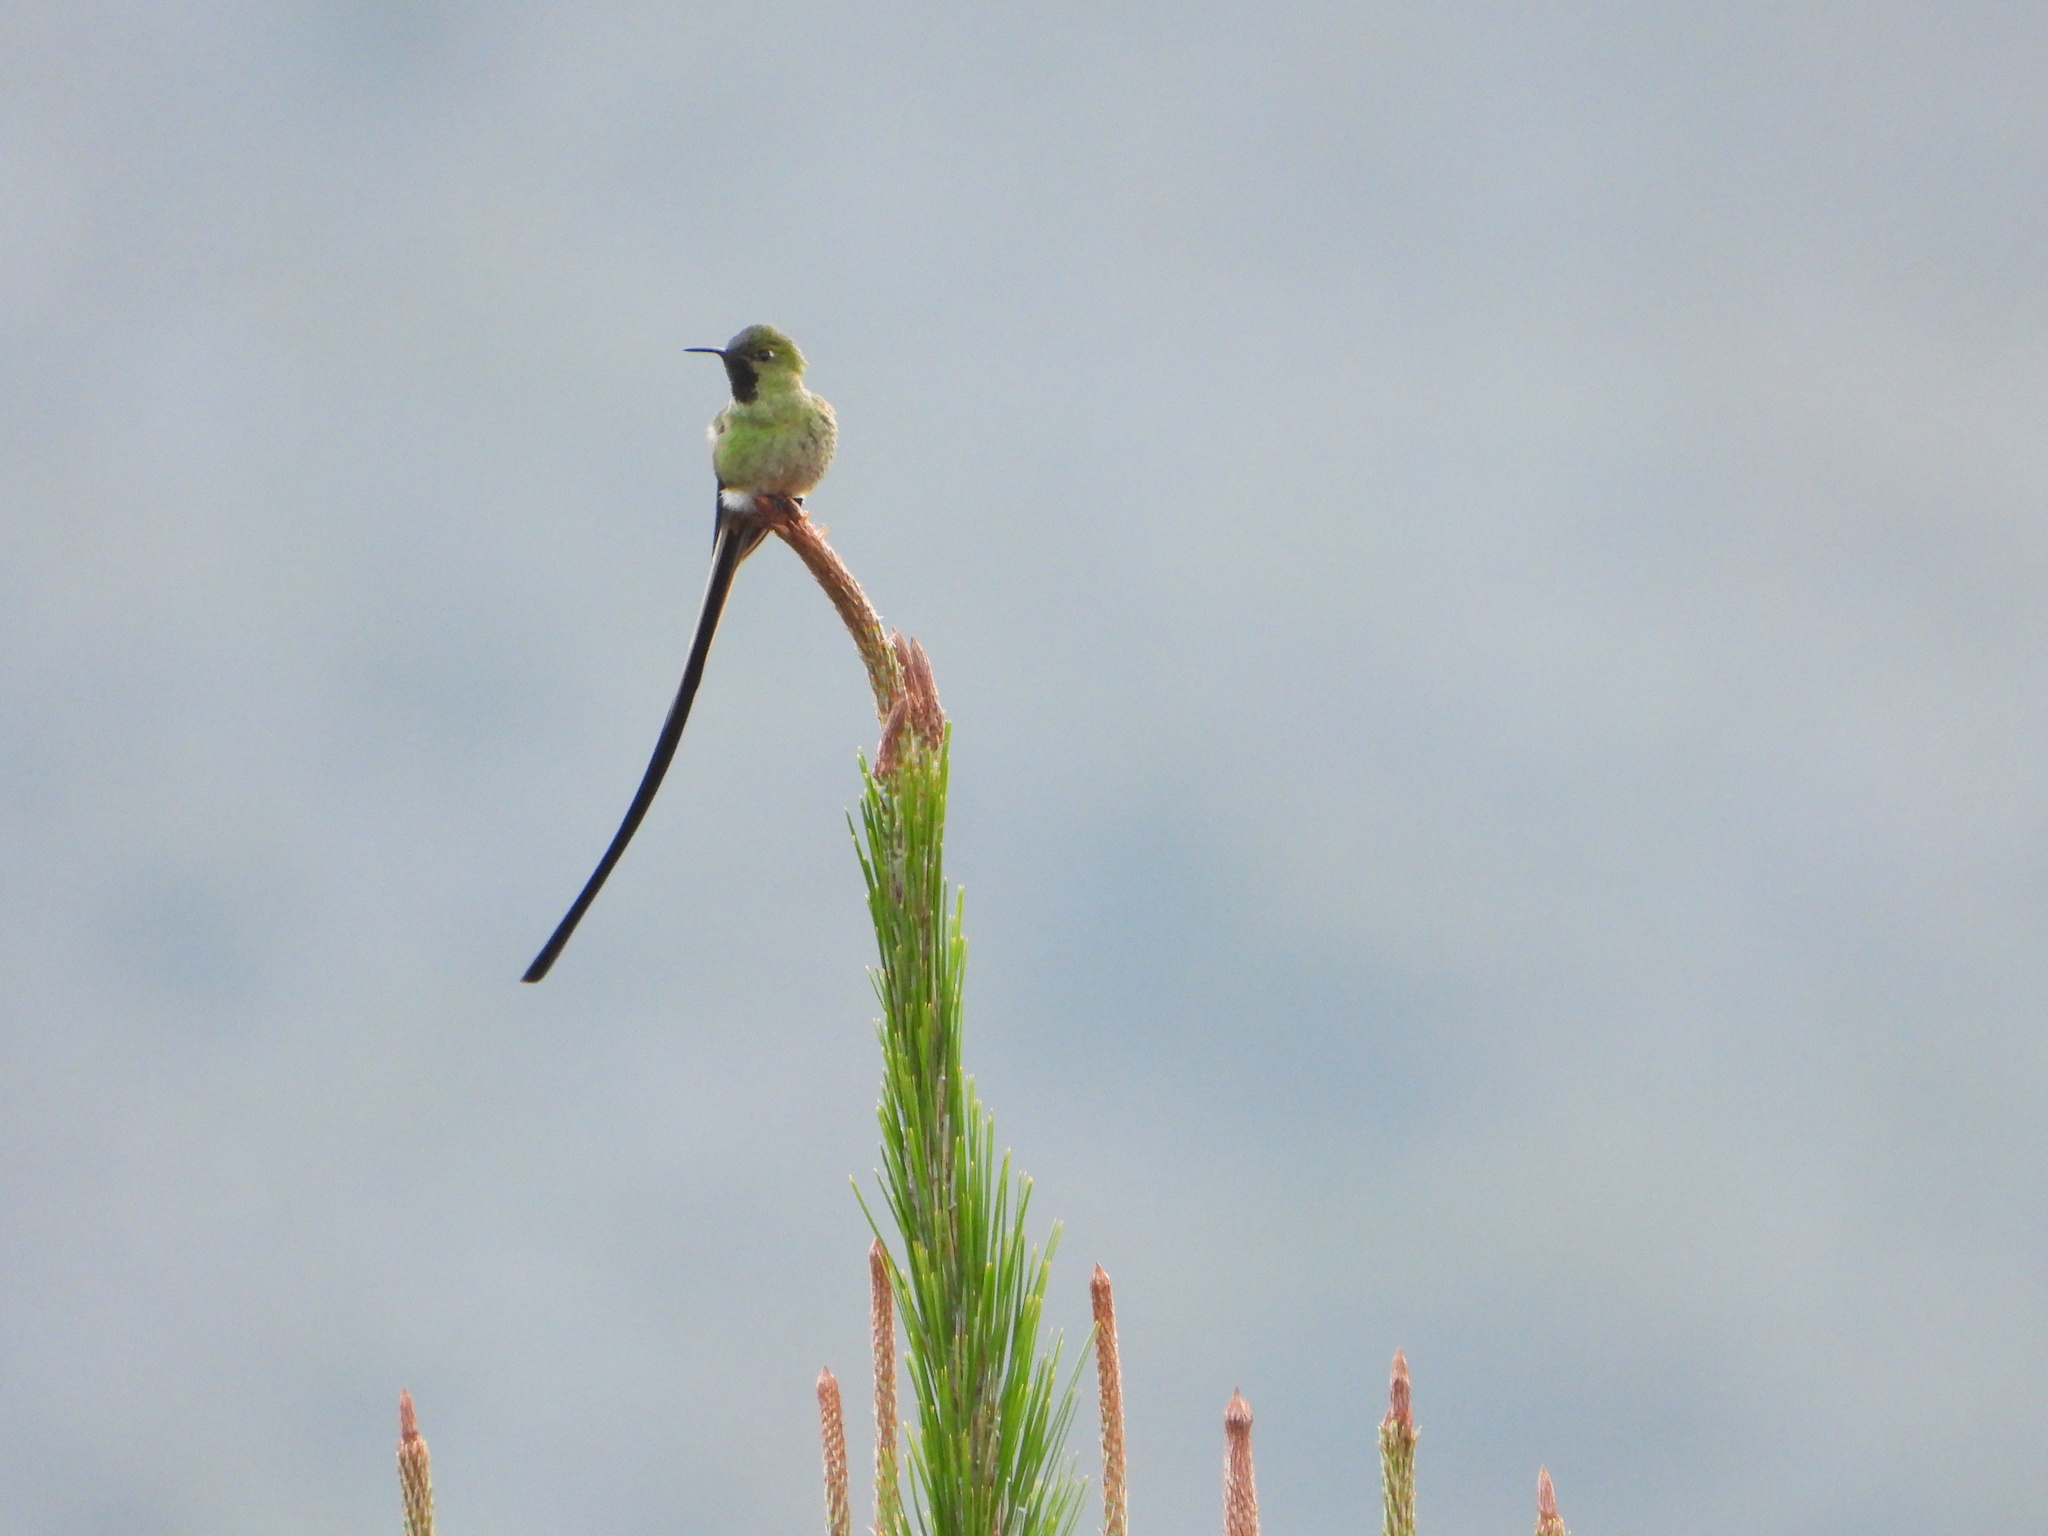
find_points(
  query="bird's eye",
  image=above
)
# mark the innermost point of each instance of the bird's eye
(764, 356)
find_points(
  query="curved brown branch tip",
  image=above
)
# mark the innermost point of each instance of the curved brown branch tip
(785, 518)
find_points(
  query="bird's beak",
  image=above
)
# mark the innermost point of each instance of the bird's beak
(714, 351)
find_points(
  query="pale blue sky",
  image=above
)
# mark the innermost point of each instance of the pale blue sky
(1487, 564)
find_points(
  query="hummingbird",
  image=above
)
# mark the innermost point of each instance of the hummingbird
(774, 439)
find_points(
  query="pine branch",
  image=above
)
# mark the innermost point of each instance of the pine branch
(991, 1418)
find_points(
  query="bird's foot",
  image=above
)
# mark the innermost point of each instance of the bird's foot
(778, 508)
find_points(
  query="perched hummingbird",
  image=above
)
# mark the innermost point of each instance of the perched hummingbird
(775, 438)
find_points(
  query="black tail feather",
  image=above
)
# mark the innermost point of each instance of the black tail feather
(738, 535)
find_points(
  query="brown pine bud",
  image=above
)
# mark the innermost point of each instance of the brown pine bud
(1548, 1521)
(1109, 1376)
(882, 1320)
(1240, 1495)
(415, 1479)
(833, 1430)
(1397, 1453)
(1400, 1406)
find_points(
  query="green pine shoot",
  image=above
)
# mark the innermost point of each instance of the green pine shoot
(988, 1457)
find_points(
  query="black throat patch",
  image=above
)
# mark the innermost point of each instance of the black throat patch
(745, 381)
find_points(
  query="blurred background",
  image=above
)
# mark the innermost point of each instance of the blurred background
(1487, 564)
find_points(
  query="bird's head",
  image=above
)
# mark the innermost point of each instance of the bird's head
(759, 358)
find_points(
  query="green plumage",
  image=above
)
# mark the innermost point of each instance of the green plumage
(775, 435)
(774, 439)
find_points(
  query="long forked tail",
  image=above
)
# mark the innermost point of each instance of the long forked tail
(738, 534)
